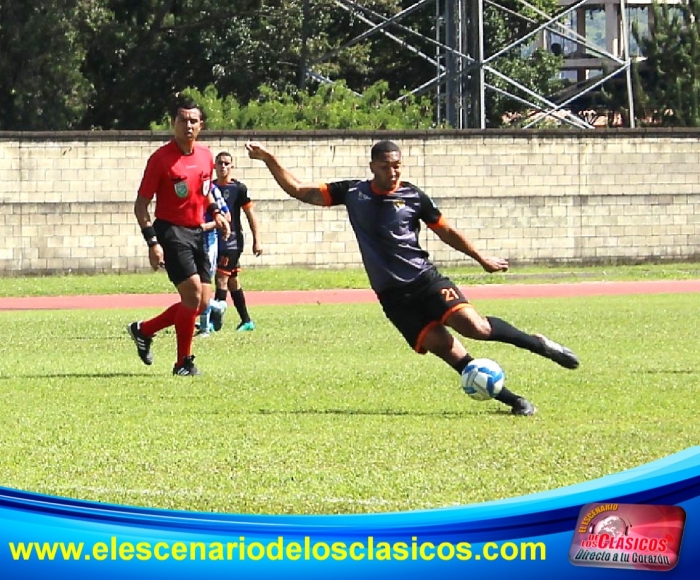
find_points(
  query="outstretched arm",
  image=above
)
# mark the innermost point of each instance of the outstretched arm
(459, 242)
(306, 192)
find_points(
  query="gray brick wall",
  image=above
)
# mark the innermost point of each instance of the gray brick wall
(568, 197)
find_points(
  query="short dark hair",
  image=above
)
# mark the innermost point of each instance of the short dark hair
(184, 102)
(382, 147)
(223, 154)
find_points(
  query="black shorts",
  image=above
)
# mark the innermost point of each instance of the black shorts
(185, 254)
(229, 262)
(421, 305)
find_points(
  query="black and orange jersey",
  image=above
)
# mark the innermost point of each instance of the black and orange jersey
(235, 194)
(386, 225)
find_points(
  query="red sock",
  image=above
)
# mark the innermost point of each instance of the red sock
(184, 328)
(163, 320)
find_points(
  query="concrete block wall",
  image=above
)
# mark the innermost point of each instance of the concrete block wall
(570, 197)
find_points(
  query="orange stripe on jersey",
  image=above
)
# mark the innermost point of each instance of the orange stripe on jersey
(441, 223)
(418, 347)
(247, 205)
(325, 193)
(381, 191)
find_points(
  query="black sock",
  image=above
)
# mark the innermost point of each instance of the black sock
(501, 331)
(507, 397)
(220, 294)
(239, 302)
(462, 363)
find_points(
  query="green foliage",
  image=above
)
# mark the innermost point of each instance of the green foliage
(668, 80)
(327, 410)
(109, 64)
(41, 50)
(330, 106)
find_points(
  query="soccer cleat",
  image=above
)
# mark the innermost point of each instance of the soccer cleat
(143, 342)
(245, 326)
(202, 333)
(187, 368)
(523, 407)
(558, 353)
(216, 316)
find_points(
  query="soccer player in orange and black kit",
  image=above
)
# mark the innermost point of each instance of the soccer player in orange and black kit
(385, 214)
(179, 175)
(235, 195)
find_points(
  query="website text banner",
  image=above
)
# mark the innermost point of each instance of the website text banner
(606, 524)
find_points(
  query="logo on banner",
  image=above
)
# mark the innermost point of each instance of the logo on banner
(628, 536)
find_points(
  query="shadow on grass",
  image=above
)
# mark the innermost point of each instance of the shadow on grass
(380, 412)
(76, 376)
(663, 372)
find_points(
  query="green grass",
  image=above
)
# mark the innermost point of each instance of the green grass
(324, 409)
(312, 279)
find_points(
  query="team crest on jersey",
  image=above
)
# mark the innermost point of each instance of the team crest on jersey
(399, 204)
(363, 197)
(181, 189)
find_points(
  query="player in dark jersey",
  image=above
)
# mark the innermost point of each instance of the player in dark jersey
(179, 175)
(385, 214)
(235, 195)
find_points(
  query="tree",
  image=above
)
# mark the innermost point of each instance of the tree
(144, 51)
(115, 64)
(330, 106)
(271, 45)
(42, 87)
(381, 59)
(668, 79)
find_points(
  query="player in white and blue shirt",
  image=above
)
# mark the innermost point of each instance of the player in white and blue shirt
(211, 245)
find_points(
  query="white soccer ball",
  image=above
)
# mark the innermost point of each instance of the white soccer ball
(483, 379)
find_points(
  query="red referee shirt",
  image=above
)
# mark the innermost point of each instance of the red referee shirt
(180, 183)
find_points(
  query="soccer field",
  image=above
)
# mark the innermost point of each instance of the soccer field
(324, 409)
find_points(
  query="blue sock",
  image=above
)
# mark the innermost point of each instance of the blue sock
(204, 318)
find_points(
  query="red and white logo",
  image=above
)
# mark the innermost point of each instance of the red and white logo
(628, 536)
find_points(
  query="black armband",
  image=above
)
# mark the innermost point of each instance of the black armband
(149, 234)
(213, 209)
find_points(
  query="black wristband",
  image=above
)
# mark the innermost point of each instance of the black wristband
(149, 233)
(151, 243)
(213, 208)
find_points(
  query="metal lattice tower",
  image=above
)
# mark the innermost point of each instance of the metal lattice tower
(464, 74)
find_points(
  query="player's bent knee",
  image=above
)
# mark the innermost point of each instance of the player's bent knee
(437, 341)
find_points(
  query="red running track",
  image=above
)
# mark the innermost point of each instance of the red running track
(288, 297)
